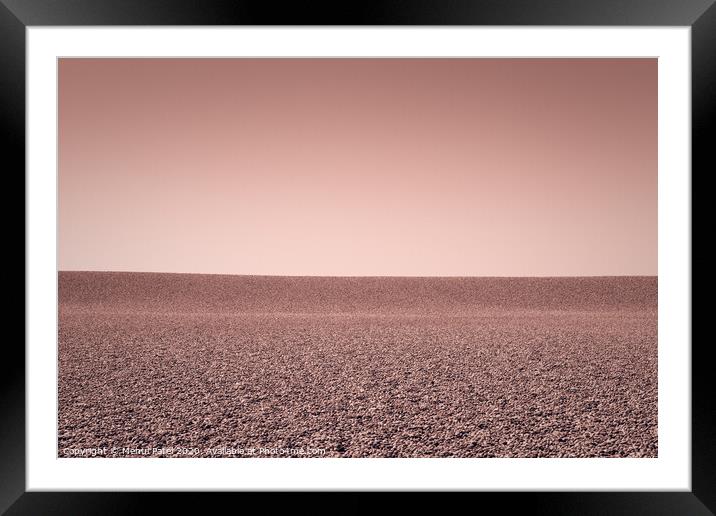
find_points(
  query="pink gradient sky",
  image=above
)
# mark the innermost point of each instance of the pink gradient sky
(359, 167)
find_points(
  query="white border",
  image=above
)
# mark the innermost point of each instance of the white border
(671, 470)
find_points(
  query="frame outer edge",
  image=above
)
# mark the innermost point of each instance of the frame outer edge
(703, 98)
(12, 145)
(12, 132)
(358, 12)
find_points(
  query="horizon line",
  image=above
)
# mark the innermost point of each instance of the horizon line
(358, 276)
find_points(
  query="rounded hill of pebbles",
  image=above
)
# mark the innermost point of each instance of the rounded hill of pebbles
(244, 366)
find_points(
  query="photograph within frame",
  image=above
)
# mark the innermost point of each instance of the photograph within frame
(357, 257)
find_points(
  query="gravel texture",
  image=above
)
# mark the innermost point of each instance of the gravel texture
(249, 366)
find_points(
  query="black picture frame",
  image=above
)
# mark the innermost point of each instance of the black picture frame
(17, 15)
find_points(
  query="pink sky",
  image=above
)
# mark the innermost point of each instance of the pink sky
(359, 167)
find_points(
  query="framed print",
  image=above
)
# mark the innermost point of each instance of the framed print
(409, 249)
